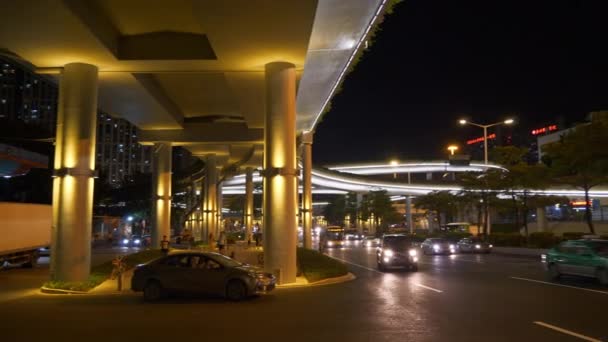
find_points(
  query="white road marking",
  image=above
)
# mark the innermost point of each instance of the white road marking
(428, 287)
(352, 263)
(568, 286)
(567, 332)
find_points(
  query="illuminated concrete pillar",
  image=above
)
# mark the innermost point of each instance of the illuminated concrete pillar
(161, 178)
(280, 172)
(359, 219)
(248, 210)
(220, 204)
(541, 219)
(408, 213)
(74, 167)
(307, 189)
(209, 205)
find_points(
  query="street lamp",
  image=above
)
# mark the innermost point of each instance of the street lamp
(485, 133)
(394, 163)
(452, 148)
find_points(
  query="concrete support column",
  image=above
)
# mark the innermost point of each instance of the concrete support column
(209, 195)
(280, 172)
(307, 189)
(161, 177)
(248, 212)
(74, 167)
(408, 213)
(218, 209)
(359, 222)
(541, 219)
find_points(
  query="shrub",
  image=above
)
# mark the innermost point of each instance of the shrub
(572, 235)
(316, 266)
(504, 228)
(507, 239)
(102, 272)
(542, 240)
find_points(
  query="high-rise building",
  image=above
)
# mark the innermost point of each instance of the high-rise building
(26, 96)
(119, 156)
(30, 98)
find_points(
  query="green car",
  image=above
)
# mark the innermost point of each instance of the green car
(587, 258)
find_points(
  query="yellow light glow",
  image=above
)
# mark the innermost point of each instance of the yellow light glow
(509, 121)
(394, 162)
(463, 122)
(452, 148)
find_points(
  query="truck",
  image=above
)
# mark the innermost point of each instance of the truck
(25, 228)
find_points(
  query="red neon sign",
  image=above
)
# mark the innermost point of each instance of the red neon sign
(543, 130)
(579, 203)
(480, 139)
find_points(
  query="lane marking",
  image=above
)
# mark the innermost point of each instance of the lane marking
(567, 332)
(560, 285)
(428, 287)
(352, 263)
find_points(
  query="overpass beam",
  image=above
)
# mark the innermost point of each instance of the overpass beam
(209, 197)
(307, 189)
(248, 212)
(162, 154)
(280, 171)
(74, 168)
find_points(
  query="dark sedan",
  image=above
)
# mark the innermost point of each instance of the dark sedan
(472, 245)
(437, 246)
(200, 273)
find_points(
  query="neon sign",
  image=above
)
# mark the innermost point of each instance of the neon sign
(543, 130)
(579, 203)
(480, 139)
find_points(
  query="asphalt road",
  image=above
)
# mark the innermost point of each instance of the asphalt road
(458, 298)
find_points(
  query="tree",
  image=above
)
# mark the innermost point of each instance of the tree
(381, 206)
(440, 202)
(580, 159)
(335, 211)
(520, 180)
(481, 189)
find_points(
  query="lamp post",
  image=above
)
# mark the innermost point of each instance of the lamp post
(485, 151)
(485, 133)
(452, 148)
(394, 163)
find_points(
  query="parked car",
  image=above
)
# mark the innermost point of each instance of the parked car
(184, 272)
(437, 246)
(397, 250)
(586, 258)
(473, 245)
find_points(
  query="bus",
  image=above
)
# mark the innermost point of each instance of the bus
(334, 236)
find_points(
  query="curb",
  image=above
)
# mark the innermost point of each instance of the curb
(48, 290)
(329, 281)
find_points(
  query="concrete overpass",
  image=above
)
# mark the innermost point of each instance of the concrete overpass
(234, 82)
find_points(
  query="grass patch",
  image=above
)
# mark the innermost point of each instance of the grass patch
(102, 272)
(316, 266)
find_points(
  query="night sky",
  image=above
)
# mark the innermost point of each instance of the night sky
(434, 62)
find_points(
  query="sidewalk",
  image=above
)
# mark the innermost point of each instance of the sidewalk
(520, 251)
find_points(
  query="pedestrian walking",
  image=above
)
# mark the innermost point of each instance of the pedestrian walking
(221, 241)
(164, 244)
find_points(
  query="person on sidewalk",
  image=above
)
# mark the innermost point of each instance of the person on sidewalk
(221, 242)
(164, 245)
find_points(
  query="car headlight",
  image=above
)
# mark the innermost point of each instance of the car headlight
(413, 252)
(388, 253)
(125, 241)
(330, 243)
(137, 241)
(478, 246)
(491, 246)
(368, 243)
(435, 246)
(452, 246)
